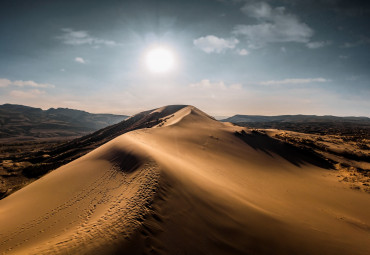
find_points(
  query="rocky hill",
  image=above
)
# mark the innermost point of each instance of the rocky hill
(313, 124)
(27, 123)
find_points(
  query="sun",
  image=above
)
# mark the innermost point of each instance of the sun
(160, 60)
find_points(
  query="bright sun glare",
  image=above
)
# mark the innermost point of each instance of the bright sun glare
(160, 60)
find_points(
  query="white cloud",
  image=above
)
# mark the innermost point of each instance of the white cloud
(261, 10)
(214, 44)
(220, 85)
(5, 83)
(80, 60)
(32, 84)
(81, 37)
(20, 83)
(294, 81)
(316, 45)
(242, 52)
(33, 93)
(274, 25)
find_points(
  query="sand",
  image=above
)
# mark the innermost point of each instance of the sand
(188, 186)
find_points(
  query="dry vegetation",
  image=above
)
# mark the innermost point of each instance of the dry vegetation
(349, 154)
(17, 158)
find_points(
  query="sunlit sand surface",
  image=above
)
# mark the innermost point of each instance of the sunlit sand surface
(190, 185)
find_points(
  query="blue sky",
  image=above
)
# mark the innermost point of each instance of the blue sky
(237, 56)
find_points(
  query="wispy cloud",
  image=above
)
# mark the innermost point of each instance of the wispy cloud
(20, 83)
(33, 93)
(81, 37)
(242, 52)
(80, 60)
(293, 81)
(363, 41)
(214, 44)
(5, 83)
(316, 45)
(207, 84)
(273, 25)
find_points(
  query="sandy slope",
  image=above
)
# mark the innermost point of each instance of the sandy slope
(188, 186)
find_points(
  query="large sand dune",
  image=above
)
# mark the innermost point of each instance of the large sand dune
(189, 185)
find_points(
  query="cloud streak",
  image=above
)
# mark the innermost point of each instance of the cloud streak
(5, 83)
(207, 84)
(33, 93)
(19, 83)
(82, 37)
(294, 81)
(316, 45)
(361, 42)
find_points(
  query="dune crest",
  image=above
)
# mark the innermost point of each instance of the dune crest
(189, 185)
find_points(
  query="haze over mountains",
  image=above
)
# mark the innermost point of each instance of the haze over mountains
(24, 122)
(183, 183)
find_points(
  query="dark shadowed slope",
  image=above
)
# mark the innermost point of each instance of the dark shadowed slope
(294, 154)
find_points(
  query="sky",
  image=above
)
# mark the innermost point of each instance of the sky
(230, 56)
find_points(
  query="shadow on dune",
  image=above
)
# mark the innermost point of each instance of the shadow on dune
(78, 147)
(296, 155)
(126, 161)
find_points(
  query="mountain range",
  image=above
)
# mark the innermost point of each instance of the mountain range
(359, 126)
(25, 123)
(295, 118)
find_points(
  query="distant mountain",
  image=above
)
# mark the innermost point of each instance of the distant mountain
(26, 122)
(307, 123)
(220, 117)
(294, 118)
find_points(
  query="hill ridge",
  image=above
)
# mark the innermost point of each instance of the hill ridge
(25, 122)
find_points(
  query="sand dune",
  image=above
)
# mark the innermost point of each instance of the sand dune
(190, 185)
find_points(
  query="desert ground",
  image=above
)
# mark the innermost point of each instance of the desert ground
(188, 184)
